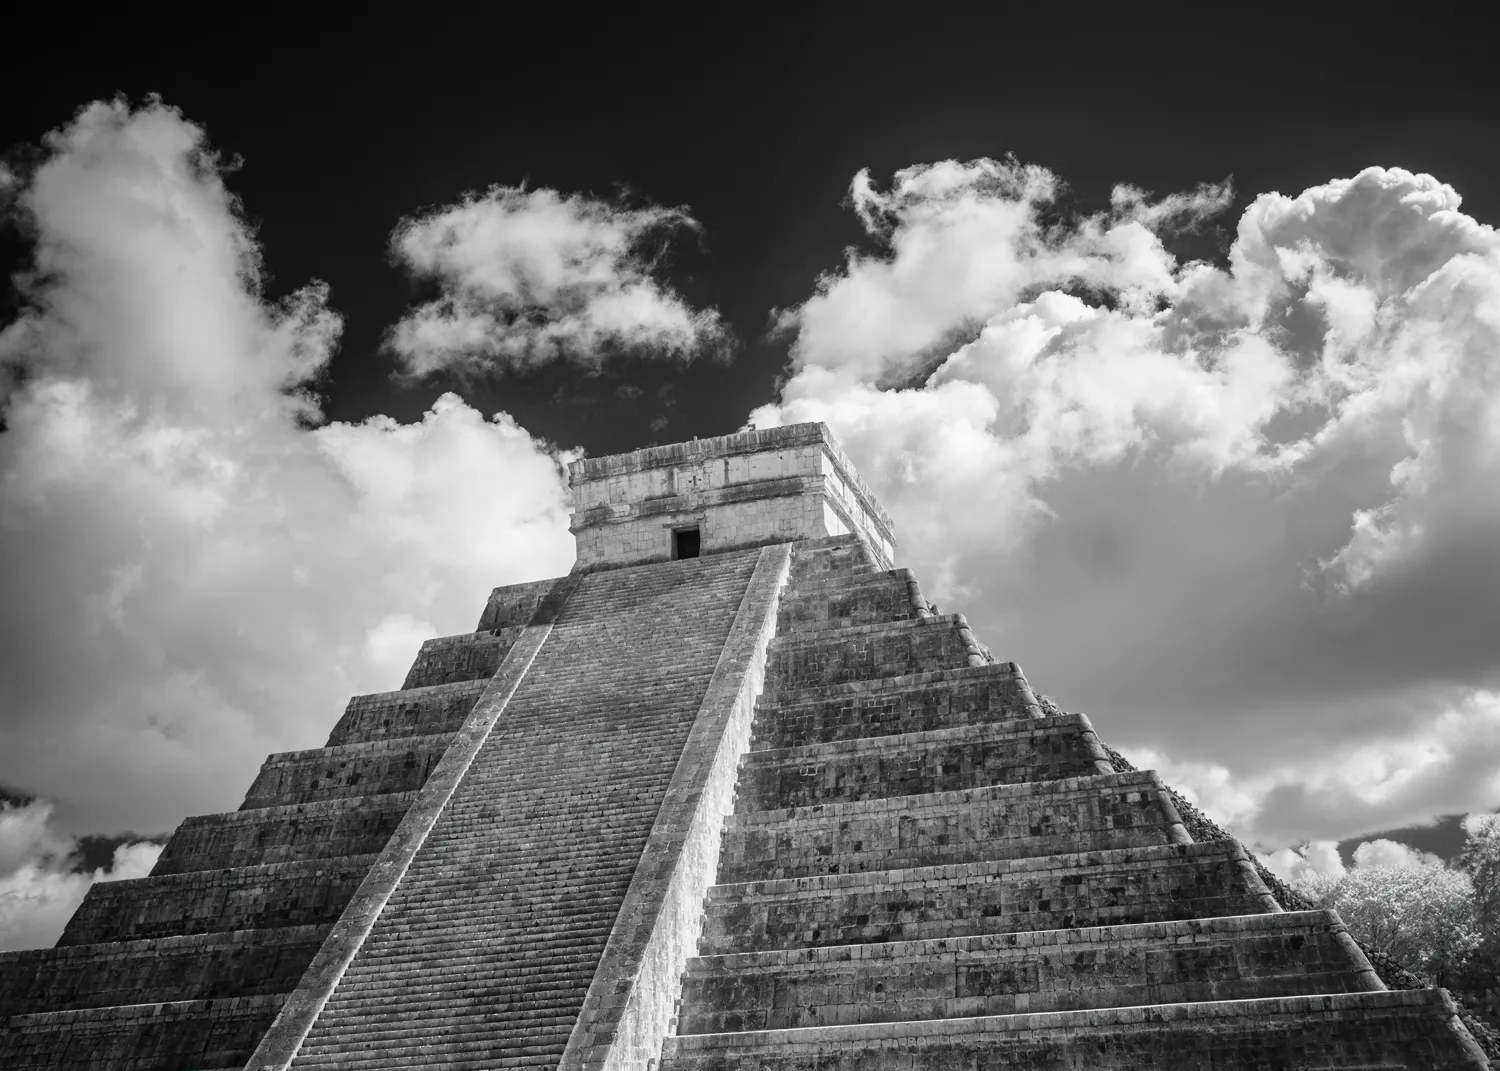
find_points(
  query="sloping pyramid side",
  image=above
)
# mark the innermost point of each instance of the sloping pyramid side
(926, 870)
(187, 968)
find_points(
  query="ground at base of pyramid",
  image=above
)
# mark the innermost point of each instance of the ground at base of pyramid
(730, 795)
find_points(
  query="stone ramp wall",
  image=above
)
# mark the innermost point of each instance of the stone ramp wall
(484, 952)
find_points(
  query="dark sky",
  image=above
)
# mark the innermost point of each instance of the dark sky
(758, 124)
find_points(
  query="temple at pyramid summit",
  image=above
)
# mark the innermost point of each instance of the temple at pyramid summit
(730, 795)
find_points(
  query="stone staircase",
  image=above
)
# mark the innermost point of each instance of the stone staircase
(188, 967)
(922, 871)
(485, 951)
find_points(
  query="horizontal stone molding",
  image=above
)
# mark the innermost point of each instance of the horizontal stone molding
(1335, 1030)
(1098, 812)
(438, 708)
(1132, 885)
(306, 892)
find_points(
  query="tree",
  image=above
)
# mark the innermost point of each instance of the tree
(1480, 859)
(1420, 915)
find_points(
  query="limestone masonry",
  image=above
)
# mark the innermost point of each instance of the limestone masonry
(728, 796)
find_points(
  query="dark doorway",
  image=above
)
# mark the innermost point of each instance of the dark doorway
(685, 543)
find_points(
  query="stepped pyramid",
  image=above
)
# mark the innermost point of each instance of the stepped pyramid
(729, 796)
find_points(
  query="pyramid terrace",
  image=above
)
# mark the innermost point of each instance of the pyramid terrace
(730, 795)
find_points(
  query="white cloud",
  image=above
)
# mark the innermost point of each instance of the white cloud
(390, 642)
(532, 276)
(39, 888)
(1315, 864)
(1476, 822)
(1383, 852)
(193, 575)
(1317, 859)
(1243, 514)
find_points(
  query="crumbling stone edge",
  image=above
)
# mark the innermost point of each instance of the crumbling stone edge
(1201, 828)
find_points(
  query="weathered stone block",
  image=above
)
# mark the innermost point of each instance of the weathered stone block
(513, 605)
(1157, 884)
(922, 702)
(751, 489)
(819, 659)
(1410, 1029)
(198, 1034)
(1004, 822)
(469, 656)
(197, 967)
(401, 764)
(942, 760)
(849, 602)
(1234, 958)
(305, 893)
(355, 825)
(440, 708)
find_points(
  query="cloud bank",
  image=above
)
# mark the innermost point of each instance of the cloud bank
(1246, 510)
(195, 572)
(531, 276)
(41, 884)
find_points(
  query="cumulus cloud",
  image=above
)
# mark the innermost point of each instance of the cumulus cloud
(1241, 511)
(40, 882)
(196, 573)
(1383, 852)
(1316, 859)
(533, 276)
(1320, 859)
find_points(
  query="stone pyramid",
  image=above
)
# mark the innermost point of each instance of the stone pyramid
(729, 796)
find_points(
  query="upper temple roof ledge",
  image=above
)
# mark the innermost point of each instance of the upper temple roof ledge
(730, 492)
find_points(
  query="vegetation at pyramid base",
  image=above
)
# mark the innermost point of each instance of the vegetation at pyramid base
(1469, 965)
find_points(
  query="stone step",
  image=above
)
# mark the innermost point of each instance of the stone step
(399, 764)
(1415, 1028)
(440, 708)
(939, 760)
(818, 559)
(310, 892)
(203, 966)
(197, 1034)
(1077, 814)
(450, 1045)
(513, 605)
(406, 963)
(1156, 884)
(477, 944)
(422, 1001)
(468, 656)
(889, 706)
(849, 601)
(895, 649)
(354, 825)
(1241, 957)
